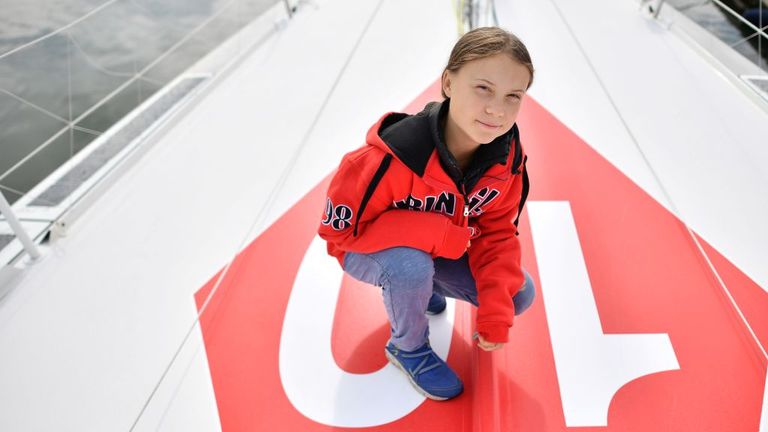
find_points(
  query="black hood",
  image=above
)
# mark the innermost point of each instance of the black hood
(412, 138)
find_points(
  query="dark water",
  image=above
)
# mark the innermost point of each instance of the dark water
(726, 27)
(46, 86)
(61, 78)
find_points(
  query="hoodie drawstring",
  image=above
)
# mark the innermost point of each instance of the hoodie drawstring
(383, 166)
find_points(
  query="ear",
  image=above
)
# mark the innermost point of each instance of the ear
(445, 81)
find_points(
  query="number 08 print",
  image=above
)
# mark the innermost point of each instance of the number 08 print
(339, 217)
(633, 329)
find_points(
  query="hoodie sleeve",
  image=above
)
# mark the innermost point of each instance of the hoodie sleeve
(380, 227)
(495, 260)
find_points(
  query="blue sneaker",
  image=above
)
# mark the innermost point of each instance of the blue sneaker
(436, 304)
(428, 373)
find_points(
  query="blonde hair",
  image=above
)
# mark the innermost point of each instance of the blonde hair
(485, 42)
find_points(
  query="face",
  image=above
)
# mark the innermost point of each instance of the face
(486, 96)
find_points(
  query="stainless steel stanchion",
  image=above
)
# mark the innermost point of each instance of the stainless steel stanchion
(21, 234)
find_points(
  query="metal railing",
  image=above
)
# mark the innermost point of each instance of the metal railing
(76, 81)
(62, 90)
(471, 14)
(21, 234)
(757, 31)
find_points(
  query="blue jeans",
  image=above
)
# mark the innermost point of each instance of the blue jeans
(408, 277)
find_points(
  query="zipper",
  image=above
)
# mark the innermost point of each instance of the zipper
(466, 203)
(488, 183)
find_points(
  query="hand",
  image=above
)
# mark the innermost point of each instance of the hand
(485, 345)
(474, 232)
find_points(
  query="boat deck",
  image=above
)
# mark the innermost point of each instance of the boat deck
(195, 295)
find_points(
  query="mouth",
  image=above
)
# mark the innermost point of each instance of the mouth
(488, 126)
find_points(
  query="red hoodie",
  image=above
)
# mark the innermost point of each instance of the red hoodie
(404, 188)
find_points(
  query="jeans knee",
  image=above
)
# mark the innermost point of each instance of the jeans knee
(409, 267)
(525, 296)
(528, 284)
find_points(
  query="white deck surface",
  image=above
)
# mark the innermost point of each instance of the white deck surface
(88, 333)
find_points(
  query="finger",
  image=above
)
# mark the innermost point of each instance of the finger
(486, 346)
(489, 346)
(483, 347)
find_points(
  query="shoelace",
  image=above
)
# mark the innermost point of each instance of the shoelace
(427, 354)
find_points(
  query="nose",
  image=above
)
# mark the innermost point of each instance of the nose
(494, 110)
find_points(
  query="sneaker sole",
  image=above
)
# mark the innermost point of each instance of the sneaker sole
(392, 359)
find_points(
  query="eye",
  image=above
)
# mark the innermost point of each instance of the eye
(515, 95)
(484, 88)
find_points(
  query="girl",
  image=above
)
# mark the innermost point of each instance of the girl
(429, 207)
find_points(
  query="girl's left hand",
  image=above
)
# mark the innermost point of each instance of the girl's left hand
(488, 346)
